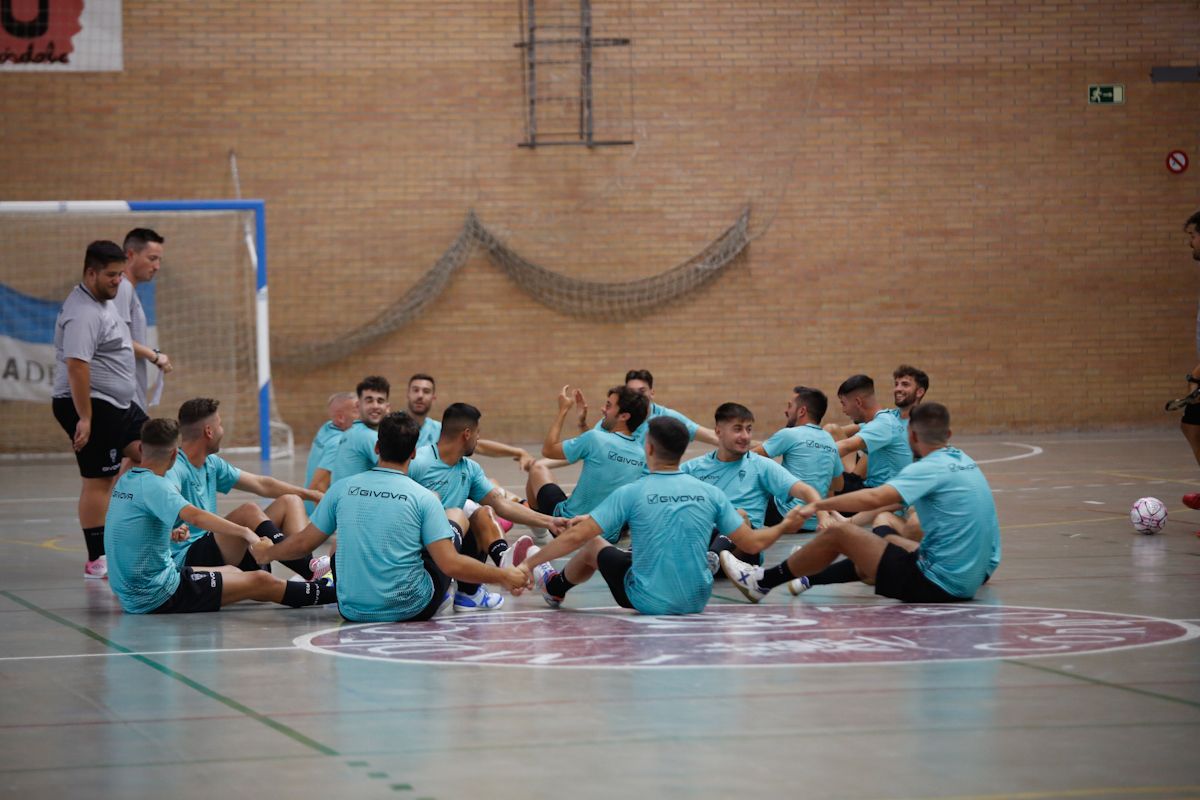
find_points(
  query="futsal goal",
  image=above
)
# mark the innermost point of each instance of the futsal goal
(206, 309)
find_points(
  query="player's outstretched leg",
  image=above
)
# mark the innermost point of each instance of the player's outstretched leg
(237, 585)
(480, 534)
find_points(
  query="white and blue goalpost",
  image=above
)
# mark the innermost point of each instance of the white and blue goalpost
(256, 249)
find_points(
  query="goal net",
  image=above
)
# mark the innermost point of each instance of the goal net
(206, 309)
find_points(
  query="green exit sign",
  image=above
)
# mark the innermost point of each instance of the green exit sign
(1106, 94)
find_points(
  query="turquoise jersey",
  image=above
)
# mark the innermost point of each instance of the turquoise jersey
(657, 411)
(961, 545)
(383, 520)
(453, 485)
(320, 455)
(747, 482)
(200, 488)
(137, 537)
(431, 431)
(886, 441)
(671, 518)
(356, 452)
(609, 460)
(810, 454)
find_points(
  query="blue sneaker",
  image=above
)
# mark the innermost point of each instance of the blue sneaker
(543, 574)
(482, 600)
(798, 586)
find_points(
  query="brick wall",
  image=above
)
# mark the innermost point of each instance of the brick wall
(927, 180)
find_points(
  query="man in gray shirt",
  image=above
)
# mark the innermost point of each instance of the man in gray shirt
(94, 390)
(143, 257)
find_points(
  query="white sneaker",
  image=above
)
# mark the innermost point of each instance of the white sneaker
(320, 567)
(797, 586)
(541, 536)
(517, 552)
(714, 562)
(744, 576)
(96, 570)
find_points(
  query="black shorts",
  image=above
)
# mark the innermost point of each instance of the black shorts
(1191, 414)
(113, 429)
(851, 482)
(198, 591)
(204, 553)
(614, 563)
(899, 578)
(548, 498)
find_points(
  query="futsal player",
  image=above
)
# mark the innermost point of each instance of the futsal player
(200, 474)
(143, 259)
(642, 382)
(961, 544)
(398, 548)
(748, 479)
(343, 410)
(808, 452)
(671, 516)
(611, 456)
(138, 532)
(356, 450)
(447, 469)
(1190, 424)
(909, 386)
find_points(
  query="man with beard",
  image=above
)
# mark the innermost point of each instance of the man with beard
(446, 469)
(909, 386)
(808, 452)
(94, 391)
(356, 451)
(199, 474)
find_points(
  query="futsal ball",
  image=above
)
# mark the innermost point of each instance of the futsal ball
(1148, 515)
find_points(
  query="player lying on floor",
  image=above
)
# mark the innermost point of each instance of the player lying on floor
(960, 547)
(138, 534)
(671, 517)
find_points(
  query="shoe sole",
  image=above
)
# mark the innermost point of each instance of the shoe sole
(520, 549)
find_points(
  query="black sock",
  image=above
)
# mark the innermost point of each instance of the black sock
(720, 543)
(842, 571)
(94, 539)
(559, 585)
(496, 549)
(776, 576)
(299, 566)
(298, 594)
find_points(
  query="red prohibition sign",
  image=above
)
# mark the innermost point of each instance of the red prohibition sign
(1177, 162)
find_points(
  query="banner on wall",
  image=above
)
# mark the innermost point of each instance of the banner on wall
(27, 361)
(60, 36)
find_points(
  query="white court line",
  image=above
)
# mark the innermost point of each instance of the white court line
(1034, 450)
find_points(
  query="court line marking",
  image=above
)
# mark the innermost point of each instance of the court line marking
(304, 642)
(1094, 792)
(1034, 450)
(1102, 682)
(229, 702)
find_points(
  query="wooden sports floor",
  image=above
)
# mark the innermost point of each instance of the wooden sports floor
(1075, 674)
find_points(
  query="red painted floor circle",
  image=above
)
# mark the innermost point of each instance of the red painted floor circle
(748, 636)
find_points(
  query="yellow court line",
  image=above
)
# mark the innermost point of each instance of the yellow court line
(1095, 792)
(49, 544)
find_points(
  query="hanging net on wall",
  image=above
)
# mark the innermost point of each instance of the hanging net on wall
(578, 298)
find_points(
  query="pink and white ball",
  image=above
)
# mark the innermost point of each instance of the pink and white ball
(1148, 515)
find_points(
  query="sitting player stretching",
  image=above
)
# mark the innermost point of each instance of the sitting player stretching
(137, 534)
(671, 517)
(961, 543)
(397, 552)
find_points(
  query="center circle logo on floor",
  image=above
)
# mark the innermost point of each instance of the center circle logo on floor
(748, 636)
